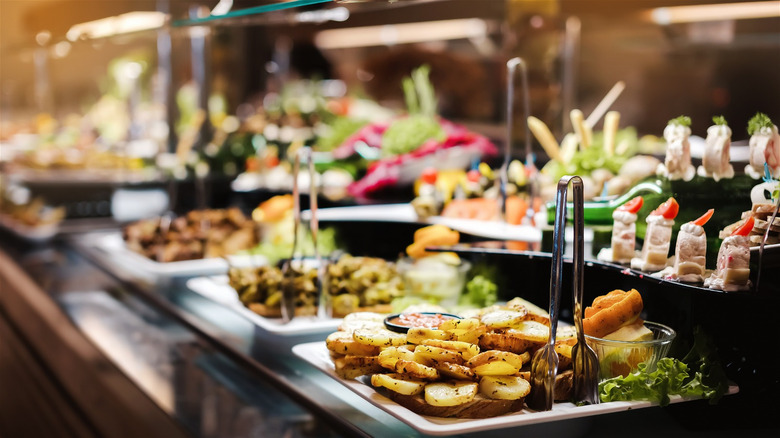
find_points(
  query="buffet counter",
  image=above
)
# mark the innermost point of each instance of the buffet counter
(95, 349)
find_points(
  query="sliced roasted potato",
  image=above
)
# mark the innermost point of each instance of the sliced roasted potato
(350, 367)
(438, 354)
(379, 337)
(532, 331)
(390, 355)
(362, 320)
(344, 343)
(450, 394)
(466, 350)
(505, 341)
(504, 387)
(398, 383)
(535, 313)
(470, 336)
(416, 370)
(460, 324)
(416, 335)
(455, 371)
(497, 363)
(503, 318)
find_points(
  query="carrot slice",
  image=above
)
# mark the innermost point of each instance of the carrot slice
(704, 218)
(746, 228)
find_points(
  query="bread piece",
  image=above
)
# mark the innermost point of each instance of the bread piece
(479, 407)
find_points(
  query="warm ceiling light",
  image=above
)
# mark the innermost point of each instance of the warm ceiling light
(118, 25)
(401, 33)
(714, 12)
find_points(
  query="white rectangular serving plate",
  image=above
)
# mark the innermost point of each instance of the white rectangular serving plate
(115, 247)
(217, 289)
(317, 355)
(404, 213)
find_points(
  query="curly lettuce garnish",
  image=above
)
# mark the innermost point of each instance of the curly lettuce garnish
(682, 121)
(699, 374)
(760, 120)
(720, 120)
(480, 292)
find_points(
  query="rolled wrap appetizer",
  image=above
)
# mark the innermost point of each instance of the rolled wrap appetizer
(732, 272)
(677, 164)
(715, 161)
(764, 147)
(691, 251)
(623, 233)
(658, 237)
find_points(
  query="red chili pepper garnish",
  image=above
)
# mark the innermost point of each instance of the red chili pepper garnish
(668, 209)
(429, 175)
(745, 228)
(633, 205)
(704, 218)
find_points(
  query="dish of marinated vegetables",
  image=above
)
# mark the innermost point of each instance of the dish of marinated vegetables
(352, 284)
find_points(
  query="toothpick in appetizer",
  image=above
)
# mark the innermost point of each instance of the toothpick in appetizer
(691, 251)
(677, 164)
(732, 271)
(764, 147)
(658, 237)
(715, 161)
(623, 233)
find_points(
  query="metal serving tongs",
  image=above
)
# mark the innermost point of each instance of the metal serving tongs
(288, 289)
(584, 360)
(544, 366)
(324, 307)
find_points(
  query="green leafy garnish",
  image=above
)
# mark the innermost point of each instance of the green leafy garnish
(480, 292)
(409, 133)
(682, 121)
(720, 120)
(339, 130)
(760, 120)
(699, 374)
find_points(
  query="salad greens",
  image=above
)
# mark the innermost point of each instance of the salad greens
(409, 133)
(480, 292)
(339, 130)
(698, 374)
(586, 161)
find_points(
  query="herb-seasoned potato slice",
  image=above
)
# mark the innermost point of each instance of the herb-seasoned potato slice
(505, 341)
(504, 318)
(362, 320)
(398, 383)
(460, 324)
(450, 394)
(504, 387)
(455, 371)
(350, 367)
(438, 354)
(532, 331)
(470, 336)
(344, 343)
(390, 355)
(535, 313)
(465, 349)
(379, 337)
(416, 370)
(497, 363)
(416, 335)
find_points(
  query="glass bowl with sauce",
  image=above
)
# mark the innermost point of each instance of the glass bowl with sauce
(620, 358)
(402, 322)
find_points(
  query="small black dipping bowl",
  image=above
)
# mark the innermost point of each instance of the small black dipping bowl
(404, 329)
